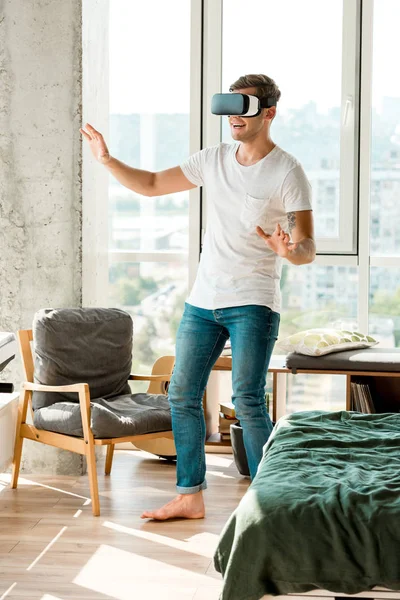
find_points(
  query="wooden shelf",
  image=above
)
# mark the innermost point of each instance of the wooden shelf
(276, 365)
(385, 390)
(385, 387)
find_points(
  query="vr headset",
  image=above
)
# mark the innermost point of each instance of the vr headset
(239, 104)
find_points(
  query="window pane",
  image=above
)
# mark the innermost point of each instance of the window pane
(385, 167)
(315, 392)
(148, 224)
(149, 129)
(154, 295)
(308, 119)
(317, 296)
(384, 309)
(149, 118)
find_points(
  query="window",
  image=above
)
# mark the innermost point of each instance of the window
(317, 296)
(316, 118)
(384, 242)
(385, 145)
(315, 392)
(149, 129)
(384, 310)
(156, 78)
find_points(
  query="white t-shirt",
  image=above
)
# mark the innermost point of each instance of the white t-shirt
(236, 267)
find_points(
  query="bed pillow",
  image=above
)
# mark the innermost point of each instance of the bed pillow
(317, 342)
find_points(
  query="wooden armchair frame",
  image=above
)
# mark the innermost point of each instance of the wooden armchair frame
(161, 374)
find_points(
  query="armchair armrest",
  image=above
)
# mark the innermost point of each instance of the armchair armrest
(82, 389)
(38, 387)
(166, 377)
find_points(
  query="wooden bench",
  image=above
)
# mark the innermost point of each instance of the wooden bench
(380, 367)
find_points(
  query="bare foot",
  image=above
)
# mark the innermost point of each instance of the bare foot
(184, 506)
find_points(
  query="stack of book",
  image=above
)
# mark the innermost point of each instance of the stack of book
(361, 398)
(226, 419)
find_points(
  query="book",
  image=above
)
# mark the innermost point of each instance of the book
(228, 409)
(355, 397)
(361, 398)
(225, 423)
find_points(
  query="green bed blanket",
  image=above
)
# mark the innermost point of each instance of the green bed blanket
(323, 511)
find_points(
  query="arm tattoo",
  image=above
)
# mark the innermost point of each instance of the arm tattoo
(291, 220)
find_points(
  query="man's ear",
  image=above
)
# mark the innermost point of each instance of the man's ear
(270, 113)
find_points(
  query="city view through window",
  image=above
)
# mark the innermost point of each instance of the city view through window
(155, 136)
(328, 294)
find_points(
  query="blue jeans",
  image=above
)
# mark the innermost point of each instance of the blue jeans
(200, 339)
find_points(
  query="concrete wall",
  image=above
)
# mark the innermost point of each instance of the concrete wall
(40, 176)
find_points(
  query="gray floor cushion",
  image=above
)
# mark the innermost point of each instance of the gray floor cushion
(93, 346)
(131, 414)
(368, 359)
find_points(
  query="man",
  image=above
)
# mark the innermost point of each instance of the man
(255, 192)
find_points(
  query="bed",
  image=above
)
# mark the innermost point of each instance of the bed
(323, 512)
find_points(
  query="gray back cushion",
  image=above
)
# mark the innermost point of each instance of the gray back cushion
(82, 345)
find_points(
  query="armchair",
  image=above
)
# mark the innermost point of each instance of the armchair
(77, 388)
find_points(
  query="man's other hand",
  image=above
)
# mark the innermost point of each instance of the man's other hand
(279, 242)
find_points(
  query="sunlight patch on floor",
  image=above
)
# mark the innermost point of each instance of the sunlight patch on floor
(49, 545)
(218, 461)
(142, 489)
(205, 537)
(22, 481)
(219, 474)
(202, 546)
(124, 575)
(144, 454)
(7, 592)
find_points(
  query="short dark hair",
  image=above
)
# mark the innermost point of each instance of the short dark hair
(266, 87)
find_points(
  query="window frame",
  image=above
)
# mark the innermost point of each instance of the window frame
(353, 248)
(194, 214)
(346, 242)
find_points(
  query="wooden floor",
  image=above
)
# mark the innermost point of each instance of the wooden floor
(52, 548)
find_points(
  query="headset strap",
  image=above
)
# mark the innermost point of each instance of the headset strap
(267, 102)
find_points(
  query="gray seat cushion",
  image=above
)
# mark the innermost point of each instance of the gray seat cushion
(368, 359)
(93, 346)
(132, 414)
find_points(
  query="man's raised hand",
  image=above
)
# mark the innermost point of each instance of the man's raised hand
(97, 144)
(279, 242)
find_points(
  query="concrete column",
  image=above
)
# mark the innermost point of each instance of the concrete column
(40, 176)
